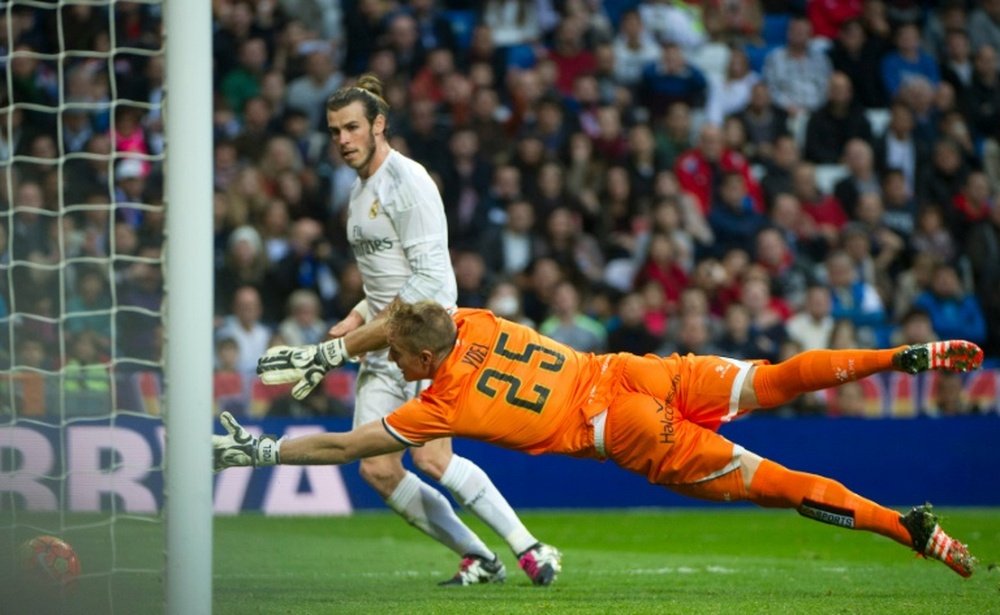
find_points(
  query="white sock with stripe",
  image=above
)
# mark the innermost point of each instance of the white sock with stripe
(474, 490)
(426, 509)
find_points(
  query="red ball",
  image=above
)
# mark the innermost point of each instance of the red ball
(50, 560)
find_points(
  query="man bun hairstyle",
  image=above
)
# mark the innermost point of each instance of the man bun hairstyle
(368, 91)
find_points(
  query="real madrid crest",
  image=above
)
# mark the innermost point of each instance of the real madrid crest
(373, 212)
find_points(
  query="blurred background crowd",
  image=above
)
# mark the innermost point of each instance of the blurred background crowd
(749, 178)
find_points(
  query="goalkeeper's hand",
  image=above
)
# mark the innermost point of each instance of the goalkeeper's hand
(303, 365)
(240, 448)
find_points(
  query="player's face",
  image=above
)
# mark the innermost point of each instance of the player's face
(353, 135)
(415, 366)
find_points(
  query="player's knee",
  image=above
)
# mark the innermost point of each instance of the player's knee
(432, 462)
(382, 474)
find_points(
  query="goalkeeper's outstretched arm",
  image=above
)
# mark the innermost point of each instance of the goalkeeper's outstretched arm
(368, 440)
(239, 448)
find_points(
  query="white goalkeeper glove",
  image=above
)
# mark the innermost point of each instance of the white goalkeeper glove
(240, 448)
(303, 365)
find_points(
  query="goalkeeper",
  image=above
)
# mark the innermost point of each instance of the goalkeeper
(398, 232)
(501, 382)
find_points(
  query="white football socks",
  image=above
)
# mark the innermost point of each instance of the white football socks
(425, 508)
(474, 490)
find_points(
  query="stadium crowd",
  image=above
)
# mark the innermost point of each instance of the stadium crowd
(736, 177)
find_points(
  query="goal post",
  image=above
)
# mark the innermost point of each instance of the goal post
(188, 255)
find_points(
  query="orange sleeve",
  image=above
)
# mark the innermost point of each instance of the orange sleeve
(418, 421)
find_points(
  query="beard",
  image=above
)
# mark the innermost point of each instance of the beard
(364, 162)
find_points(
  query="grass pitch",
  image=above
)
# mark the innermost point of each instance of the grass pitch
(718, 560)
(645, 561)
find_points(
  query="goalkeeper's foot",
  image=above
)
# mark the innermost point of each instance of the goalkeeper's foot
(475, 569)
(949, 355)
(541, 562)
(930, 541)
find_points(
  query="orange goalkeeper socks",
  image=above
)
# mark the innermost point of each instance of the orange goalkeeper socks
(823, 499)
(814, 370)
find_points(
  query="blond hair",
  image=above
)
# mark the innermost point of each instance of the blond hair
(424, 325)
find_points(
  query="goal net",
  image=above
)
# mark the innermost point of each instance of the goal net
(81, 295)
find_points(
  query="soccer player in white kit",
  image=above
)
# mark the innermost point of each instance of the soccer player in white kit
(397, 229)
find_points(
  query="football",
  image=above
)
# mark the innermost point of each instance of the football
(49, 560)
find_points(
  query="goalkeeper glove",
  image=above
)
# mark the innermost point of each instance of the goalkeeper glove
(303, 365)
(240, 448)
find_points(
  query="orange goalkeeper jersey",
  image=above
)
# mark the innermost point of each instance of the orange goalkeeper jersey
(506, 384)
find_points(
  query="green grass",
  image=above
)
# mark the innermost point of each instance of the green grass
(619, 562)
(649, 561)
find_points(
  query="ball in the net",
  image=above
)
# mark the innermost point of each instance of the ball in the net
(50, 560)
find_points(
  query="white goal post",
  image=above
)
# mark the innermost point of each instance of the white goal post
(188, 476)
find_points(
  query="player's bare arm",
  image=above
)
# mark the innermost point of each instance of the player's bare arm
(240, 448)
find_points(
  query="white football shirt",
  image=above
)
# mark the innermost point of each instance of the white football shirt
(399, 234)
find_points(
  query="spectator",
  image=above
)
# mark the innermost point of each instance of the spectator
(693, 337)
(673, 133)
(952, 310)
(797, 75)
(672, 79)
(779, 169)
(309, 92)
(950, 397)
(861, 178)
(466, 181)
(908, 61)
(308, 264)
(672, 24)
(854, 53)
(89, 308)
(245, 264)
(899, 149)
(577, 252)
(700, 170)
(972, 204)
(304, 323)
(765, 124)
(812, 325)
(984, 25)
(789, 275)
(504, 300)
(946, 175)
(543, 275)
(509, 248)
(515, 22)
(628, 331)
(730, 95)
(854, 299)
(824, 209)
(931, 235)
(737, 340)
(915, 327)
(733, 219)
(662, 267)
(831, 126)
(900, 207)
(767, 317)
(140, 285)
(569, 325)
(243, 82)
(982, 248)
(572, 58)
(634, 48)
(983, 94)
(955, 62)
(243, 325)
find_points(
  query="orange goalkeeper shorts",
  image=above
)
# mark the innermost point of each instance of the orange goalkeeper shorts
(663, 425)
